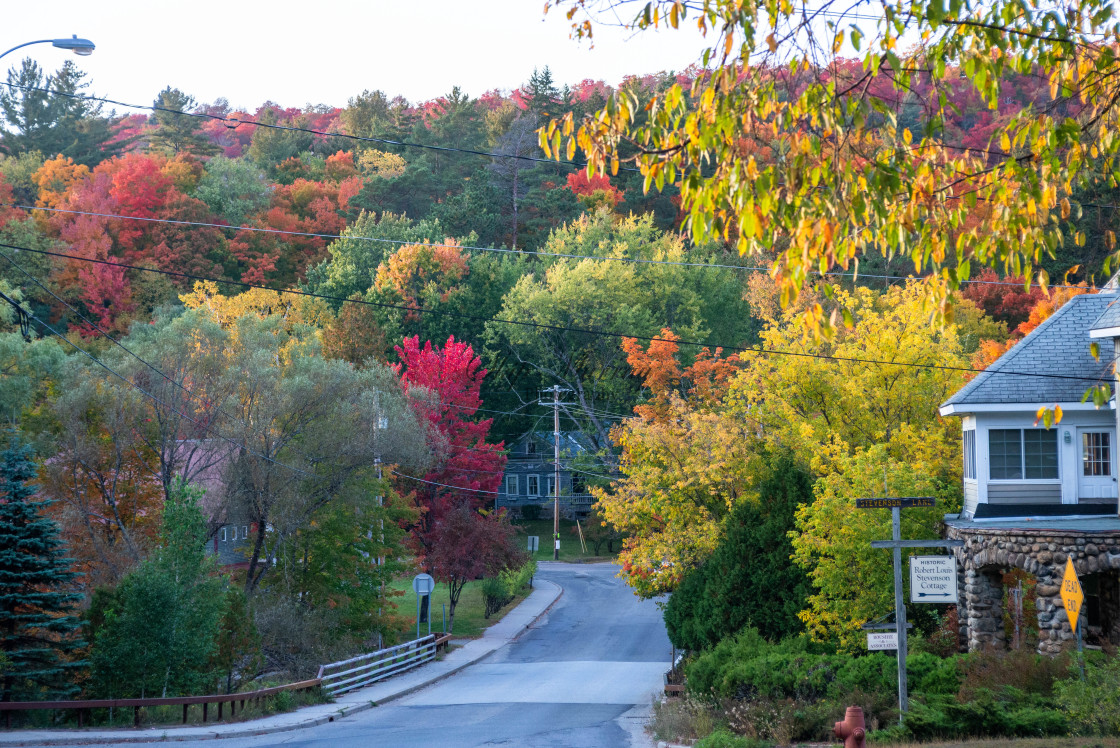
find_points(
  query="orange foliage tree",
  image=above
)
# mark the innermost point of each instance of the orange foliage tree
(420, 274)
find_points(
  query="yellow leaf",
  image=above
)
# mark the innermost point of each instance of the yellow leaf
(1065, 208)
(772, 43)
(1005, 142)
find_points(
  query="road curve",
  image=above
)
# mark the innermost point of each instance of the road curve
(569, 681)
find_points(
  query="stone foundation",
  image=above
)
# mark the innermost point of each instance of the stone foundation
(989, 552)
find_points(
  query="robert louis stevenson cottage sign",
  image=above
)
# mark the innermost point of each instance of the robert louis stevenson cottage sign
(933, 579)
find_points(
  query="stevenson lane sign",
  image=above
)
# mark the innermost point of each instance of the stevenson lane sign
(891, 503)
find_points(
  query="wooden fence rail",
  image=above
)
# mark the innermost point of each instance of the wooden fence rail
(233, 699)
(356, 672)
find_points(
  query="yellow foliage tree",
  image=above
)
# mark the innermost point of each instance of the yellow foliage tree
(225, 310)
(869, 427)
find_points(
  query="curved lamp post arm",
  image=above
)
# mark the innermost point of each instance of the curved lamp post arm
(26, 44)
(81, 47)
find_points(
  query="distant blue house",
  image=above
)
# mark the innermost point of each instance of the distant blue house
(530, 475)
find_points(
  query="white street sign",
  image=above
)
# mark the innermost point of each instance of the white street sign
(882, 640)
(423, 584)
(933, 579)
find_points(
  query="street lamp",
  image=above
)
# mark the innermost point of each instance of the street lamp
(83, 47)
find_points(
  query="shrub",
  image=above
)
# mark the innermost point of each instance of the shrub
(1093, 704)
(1007, 713)
(681, 719)
(500, 590)
(748, 667)
(531, 512)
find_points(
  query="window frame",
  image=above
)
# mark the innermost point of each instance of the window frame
(512, 479)
(530, 488)
(969, 450)
(1031, 455)
(224, 534)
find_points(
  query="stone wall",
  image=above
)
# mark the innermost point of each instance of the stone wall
(988, 552)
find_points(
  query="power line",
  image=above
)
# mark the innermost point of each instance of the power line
(444, 485)
(401, 242)
(557, 328)
(234, 122)
(499, 250)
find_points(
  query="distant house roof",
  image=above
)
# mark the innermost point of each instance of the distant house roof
(1060, 345)
(574, 442)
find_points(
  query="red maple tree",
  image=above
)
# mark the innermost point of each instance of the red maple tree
(443, 387)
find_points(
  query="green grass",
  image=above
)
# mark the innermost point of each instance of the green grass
(570, 549)
(469, 620)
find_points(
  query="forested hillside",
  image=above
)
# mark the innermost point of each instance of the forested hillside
(325, 325)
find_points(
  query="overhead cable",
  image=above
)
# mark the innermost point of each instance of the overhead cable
(760, 351)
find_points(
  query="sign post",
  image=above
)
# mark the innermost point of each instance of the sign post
(422, 585)
(1072, 598)
(896, 544)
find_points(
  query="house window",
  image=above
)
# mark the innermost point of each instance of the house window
(223, 534)
(1095, 453)
(1040, 453)
(1017, 454)
(550, 483)
(244, 532)
(970, 454)
(533, 485)
(511, 485)
(530, 447)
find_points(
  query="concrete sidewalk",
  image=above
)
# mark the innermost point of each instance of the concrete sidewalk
(501, 633)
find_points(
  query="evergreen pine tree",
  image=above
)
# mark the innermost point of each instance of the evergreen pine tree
(37, 626)
(179, 133)
(734, 587)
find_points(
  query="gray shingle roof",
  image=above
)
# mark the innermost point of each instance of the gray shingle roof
(1060, 345)
(1110, 317)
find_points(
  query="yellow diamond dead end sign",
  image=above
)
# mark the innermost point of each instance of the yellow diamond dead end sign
(1072, 596)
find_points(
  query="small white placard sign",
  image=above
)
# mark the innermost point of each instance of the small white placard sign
(933, 579)
(878, 640)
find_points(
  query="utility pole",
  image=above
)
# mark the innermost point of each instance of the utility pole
(556, 465)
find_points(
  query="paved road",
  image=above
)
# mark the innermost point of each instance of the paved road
(583, 676)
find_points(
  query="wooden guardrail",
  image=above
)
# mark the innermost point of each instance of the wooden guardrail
(356, 672)
(83, 707)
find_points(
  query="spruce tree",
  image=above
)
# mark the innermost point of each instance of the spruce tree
(37, 627)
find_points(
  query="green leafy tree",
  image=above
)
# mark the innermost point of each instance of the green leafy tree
(238, 654)
(342, 560)
(351, 267)
(19, 172)
(161, 629)
(28, 372)
(748, 580)
(271, 147)
(38, 628)
(27, 233)
(617, 297)
(234, 188)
